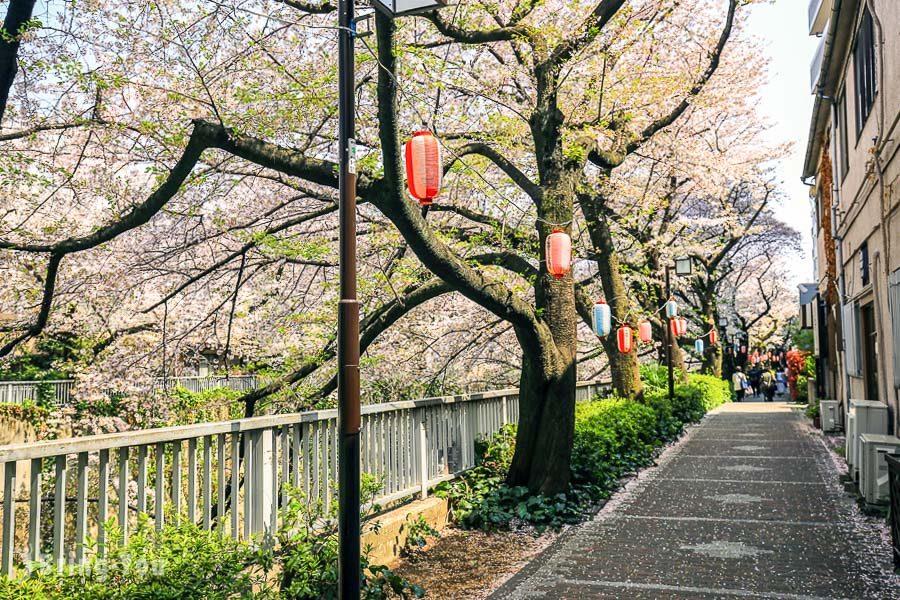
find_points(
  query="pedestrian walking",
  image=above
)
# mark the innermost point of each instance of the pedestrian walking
(781, 383)
(740, 383)
(767, 384)
(755, 375)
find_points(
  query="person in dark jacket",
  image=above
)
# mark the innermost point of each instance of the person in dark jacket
(755, 375)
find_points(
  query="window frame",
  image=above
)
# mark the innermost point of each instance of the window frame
(864, 71)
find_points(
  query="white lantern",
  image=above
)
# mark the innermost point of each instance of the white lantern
(602, 319)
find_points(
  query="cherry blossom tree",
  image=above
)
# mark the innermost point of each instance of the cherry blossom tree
(186, 176)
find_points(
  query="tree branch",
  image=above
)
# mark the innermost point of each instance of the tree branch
(505, 165)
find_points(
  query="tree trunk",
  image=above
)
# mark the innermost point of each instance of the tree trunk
(17, 15)
(546, 425)
(712, 360)
(678, 362)
(624, 368)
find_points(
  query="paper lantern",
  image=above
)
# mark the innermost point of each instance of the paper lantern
(682, 325)
(743, 349)
(625, 338)
(559, 253)
(671, 309)
(602, 319)
(645, 331)
(423, 167)
(673, 327)
(698, 346)
(713, 337)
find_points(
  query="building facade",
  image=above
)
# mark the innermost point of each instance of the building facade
(853, 167)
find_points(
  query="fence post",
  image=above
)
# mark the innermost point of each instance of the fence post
(423, 457)
(262, 489)
(504, 411)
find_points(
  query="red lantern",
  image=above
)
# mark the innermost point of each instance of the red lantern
(559, 253)
(625, 338)
(713, 337)
(423, 167)
(673, 325)
(645, 331)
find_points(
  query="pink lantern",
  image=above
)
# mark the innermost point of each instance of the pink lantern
(559, 253)
(645, 331)
(682, 325)
(423, 167)
(625, 338)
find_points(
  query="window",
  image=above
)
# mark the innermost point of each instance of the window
(864, 263)
(864, 67)
(851, 340)
(844, 157)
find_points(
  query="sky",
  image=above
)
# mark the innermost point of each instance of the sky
(786, 101)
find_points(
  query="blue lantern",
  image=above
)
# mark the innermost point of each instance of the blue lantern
(698, 346)
(671, 309)
(602, 319)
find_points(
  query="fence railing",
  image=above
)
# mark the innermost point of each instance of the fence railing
(240, 383)
(230, 474)
(56, 391)
(60, 391)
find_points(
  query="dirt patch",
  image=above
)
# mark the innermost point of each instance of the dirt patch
(472, 564)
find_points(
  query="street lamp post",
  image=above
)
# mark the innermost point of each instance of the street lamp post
(349, 578)
(683, 267)
(348, 319)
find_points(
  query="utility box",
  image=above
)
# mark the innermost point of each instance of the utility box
(873, 474)
(831, 415)
(866, 416)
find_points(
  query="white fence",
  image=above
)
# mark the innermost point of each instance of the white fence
(60, 391)
(234, 470)
(17, 392)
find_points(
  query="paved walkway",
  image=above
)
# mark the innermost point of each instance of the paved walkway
(747, 505)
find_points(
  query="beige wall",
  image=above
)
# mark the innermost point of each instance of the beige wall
(866, 215)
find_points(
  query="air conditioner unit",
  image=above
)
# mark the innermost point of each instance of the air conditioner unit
(867, 416)
(831, 415)
(873, 475)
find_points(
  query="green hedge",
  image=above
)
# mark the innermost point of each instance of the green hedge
(613, 437)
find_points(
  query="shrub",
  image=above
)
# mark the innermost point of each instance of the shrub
(713, 391)
(668, 426)
(612, 437)
(179, 561)
(184, 562)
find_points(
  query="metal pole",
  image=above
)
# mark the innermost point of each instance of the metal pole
(348, 321)
(669, 341)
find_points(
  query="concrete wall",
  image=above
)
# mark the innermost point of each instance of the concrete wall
(387, 543)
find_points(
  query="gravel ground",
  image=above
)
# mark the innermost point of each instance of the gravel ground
(471, 564)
